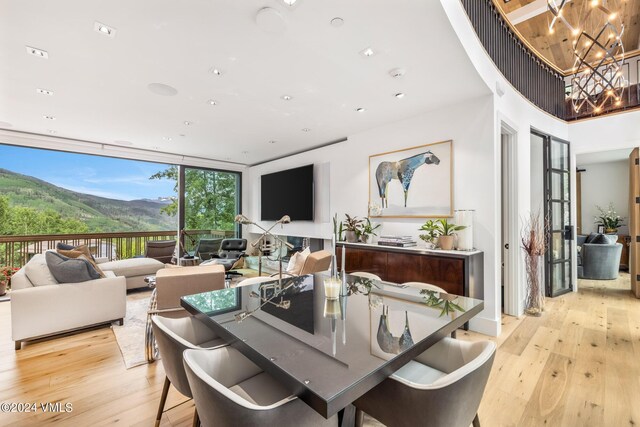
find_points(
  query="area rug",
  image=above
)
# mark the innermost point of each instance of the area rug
(130, 336)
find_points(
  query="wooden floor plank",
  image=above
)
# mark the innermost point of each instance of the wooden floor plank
(589, 340)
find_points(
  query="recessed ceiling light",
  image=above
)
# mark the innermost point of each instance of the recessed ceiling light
(51, 131)
(289, 2)
(399, 95)
(187, 123)
(367, 52)
(215, 71)
(287, 97)
(361, 110)
(306, 130)
(44, 91)
(337, 22)
(212, 102)
(104, 29)
(272, 142)
(397, 72)
(49, 117)
(167, 138)
(37, 52)
(162, 89)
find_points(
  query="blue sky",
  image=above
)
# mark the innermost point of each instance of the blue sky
(101, 176)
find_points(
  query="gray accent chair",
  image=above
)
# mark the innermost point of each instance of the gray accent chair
(441, 387)
(230, 391)
(174, 336)
(599, 261)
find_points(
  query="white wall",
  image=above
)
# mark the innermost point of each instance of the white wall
(604, 183)
(469, 125)
(518, 113)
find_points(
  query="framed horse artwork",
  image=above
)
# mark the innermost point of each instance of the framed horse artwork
(415, 182)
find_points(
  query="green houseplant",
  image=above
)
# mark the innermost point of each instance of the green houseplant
(446, 233)
(352, 226)
(430, 234)
(367, 230)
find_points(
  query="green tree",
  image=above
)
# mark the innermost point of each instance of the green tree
(210, 198)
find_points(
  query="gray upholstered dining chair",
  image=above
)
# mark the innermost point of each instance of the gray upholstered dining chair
(441, 387)
(366, 275)
(230, 390)
(174, 336)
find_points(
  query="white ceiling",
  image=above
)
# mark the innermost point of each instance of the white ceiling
(100, 83)
(603, 157)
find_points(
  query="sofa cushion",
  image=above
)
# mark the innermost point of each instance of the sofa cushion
(70, 270)
(82, 252)
(80, 248)
(296, 262)
(38, 272)
(591, 236)
(133, 267)
(600, 239)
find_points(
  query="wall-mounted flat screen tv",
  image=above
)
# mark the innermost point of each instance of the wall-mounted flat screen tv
(288, 192)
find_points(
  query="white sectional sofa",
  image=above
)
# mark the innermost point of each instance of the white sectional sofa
(42, 307)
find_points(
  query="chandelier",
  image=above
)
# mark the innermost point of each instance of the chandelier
(598, 81)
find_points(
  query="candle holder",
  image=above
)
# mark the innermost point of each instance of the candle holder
(332, 287)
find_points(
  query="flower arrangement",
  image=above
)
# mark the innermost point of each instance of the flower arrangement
(5, 277)
(609, 218)
(7, 272)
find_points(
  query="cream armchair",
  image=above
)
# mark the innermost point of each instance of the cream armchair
(44, 309)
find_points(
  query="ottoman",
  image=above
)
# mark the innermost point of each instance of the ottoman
(133, 269)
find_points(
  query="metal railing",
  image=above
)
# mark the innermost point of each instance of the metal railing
(15, 251)
(528, 74)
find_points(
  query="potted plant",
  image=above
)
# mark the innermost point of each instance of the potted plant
(5, 278)
(609, 218)
(352, 227)
(368, 230)
(430, 234)
(446, 233)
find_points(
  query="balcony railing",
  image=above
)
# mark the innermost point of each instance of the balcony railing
(15, 251)
(531, 76)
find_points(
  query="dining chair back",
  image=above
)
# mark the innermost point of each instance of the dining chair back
(230, 390)
(427, 286)
(441, 387)
(173, 337)
(366, 275)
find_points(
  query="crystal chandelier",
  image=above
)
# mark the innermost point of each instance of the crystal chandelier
(598, 81)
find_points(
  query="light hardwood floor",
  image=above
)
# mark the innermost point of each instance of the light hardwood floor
(577, 365)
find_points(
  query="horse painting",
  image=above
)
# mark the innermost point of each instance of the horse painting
(403, 171)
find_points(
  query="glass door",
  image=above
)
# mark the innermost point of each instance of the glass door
(559, 256)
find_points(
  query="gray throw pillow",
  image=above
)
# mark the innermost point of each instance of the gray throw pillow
(591, 236)
(600, 239)
(70, 270)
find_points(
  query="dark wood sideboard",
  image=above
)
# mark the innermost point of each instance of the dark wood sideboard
(457, 272)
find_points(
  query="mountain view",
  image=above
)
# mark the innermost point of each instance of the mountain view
(100, 214)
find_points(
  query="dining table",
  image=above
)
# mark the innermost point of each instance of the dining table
(330, 339)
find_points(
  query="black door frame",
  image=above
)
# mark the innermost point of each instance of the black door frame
(567, 230)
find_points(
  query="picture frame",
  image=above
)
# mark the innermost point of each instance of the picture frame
(414, 182)
(600, 229)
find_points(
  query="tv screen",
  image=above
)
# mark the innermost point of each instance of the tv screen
(288, 192)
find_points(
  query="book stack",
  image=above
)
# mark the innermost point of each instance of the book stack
(397, 241)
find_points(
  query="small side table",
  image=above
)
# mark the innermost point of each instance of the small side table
(187, 262)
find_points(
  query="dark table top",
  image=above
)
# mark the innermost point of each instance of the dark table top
(330, 352)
